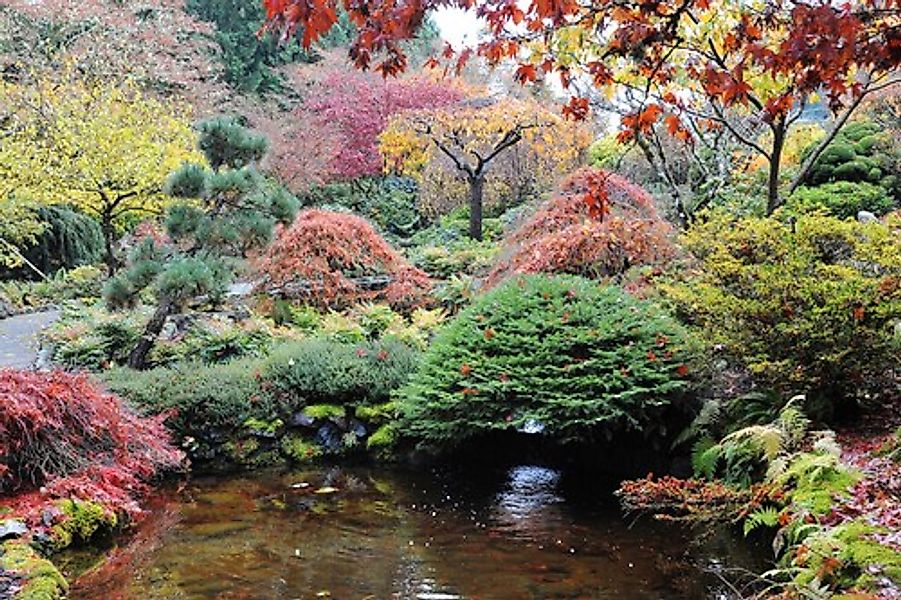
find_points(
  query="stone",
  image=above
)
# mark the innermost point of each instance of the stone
(301, 419)
(11, 528)
(329, 438)
(865, 216)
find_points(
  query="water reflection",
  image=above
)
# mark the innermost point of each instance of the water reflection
(358, 533)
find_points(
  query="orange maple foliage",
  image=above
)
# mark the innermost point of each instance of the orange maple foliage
(332, 260)
(567, 236)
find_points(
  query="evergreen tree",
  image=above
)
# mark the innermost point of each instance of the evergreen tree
(220, 213)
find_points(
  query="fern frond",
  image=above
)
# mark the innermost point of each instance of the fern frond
(705, 458)
(762, 517)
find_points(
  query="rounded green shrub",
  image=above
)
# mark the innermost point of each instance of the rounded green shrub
(325, 371)
(556, 354)
(844, 199)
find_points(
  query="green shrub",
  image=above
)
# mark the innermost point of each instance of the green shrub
(552, 352)
(844, 199)
(203, 397)
(861, 152)
(810, 307)
(324, 371)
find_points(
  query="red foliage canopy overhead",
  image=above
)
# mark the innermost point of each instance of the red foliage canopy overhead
(358, 106)
(334, 259)
(61, 433)
(599, 225)
(819, 45)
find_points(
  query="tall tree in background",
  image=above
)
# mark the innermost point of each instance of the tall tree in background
(765, 59)
(103, 148)
(222, 213)
(472, 140)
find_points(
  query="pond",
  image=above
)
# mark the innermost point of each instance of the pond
(526, 531)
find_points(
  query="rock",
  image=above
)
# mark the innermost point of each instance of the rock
(301, 419)
(11, 528)
(6, 308)
(865, 216)
(357, 428)
(326, 489)
(329, 437)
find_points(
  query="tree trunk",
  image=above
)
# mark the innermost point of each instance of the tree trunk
(476, 185)
(109, 239)
(773, 201)
(138, 357)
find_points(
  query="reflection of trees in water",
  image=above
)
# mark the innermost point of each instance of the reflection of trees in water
(123, 562)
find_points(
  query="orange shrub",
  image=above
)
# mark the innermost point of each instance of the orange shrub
(598, 225)
(332, 259)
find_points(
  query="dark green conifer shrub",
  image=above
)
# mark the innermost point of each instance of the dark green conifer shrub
(223, 213)
(558, 353)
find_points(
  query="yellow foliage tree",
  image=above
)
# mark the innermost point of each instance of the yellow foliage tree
(104, 148)
(495, 153)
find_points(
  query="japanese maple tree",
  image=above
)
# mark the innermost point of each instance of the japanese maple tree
(598, 225)
(333, 259)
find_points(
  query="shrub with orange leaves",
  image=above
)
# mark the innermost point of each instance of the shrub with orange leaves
(598, 226)
(333, 259)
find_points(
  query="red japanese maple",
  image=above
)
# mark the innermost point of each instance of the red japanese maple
(599, 225)
(334, 259)
(62, 434)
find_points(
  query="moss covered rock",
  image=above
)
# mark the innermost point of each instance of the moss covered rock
(39, 579)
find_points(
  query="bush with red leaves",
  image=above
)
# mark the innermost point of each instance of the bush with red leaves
(598, 225)
(332, 260)
(65, 438)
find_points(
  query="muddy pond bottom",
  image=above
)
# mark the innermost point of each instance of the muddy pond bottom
(355, 533)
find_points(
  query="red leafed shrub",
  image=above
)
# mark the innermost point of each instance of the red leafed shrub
(598, 225)
(334, 259)
(60, 433)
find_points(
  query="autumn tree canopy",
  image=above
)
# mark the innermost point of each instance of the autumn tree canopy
(507, 151)
(104, 148)
(765, 60)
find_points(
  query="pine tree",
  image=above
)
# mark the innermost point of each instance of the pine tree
(220, 213)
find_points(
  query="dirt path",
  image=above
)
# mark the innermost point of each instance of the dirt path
(19, 338)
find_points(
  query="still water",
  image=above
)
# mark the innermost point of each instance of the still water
(521, 532)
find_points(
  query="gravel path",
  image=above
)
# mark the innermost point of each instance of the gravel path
(19, 338)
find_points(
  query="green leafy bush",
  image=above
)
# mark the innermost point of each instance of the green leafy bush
(810, 307)
(78, 283)
(324, 371)
(844, 199)
(556, 353)
(862, 152)
(202, 397)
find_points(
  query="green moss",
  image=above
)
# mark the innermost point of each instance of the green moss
(81, 521)
(42, 580)
(299, 450)
(379, 413)
(261, 427)
(323, 411)
(383, 437)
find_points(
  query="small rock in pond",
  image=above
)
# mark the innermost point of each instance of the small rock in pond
(327, 489)
(300, 486)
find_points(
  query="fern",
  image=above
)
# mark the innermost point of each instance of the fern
(762, 517)
(705, 458)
